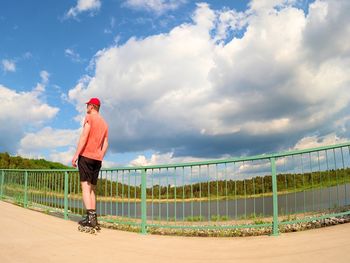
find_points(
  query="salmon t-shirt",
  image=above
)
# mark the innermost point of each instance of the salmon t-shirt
(98, 133)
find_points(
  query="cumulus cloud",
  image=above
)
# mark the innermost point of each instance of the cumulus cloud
(326, 34)
(83, 6)
(58, 144)
(48, 138)
(163, 158)
(194, 91)
(8, 65)
(314, 141)
(64, 157)
(21, 111)
(156, 6)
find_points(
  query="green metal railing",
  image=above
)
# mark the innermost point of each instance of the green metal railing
(266, 191)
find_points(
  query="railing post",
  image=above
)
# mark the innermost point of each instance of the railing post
(2, 183)
(25, 201)
(143, 202)
(66, 195)
(275, 197)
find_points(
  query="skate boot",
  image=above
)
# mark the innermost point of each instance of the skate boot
(83, 223)
(92, 217)
(85, 220)
(89, 224)
(97, 227)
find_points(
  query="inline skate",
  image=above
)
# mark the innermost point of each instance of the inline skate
(89, 223)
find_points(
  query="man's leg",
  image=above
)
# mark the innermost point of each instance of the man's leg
(86, 189)
(93, 197)
(93, 205)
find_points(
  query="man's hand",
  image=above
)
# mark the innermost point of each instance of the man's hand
(74, 161)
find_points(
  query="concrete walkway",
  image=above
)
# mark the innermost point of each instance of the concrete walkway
(29, 236)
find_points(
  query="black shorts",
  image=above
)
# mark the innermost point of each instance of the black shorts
(89, 169)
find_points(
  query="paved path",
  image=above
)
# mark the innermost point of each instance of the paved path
(29, 236)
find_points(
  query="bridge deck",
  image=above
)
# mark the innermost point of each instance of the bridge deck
(29, 236)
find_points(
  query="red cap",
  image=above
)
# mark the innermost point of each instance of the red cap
(94, 101)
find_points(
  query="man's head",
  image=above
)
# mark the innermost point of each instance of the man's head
(93, 103)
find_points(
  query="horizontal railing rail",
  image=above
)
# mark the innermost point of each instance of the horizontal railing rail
(267, 192)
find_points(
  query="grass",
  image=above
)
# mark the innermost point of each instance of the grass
(195, 218)
(219, 218)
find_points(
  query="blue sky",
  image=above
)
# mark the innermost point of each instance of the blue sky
(178, 80)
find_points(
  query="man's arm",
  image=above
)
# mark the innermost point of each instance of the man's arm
(105, 146)
(82, 141)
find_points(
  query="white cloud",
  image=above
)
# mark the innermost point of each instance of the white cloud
(83, 6)
(44, 76)
(19, 112)
(156, 6)
(187, 93)
(315, 141)
(58, 144)
(111, 26)
(64, 157)
(109, 164)
(70, 53)
(165, 158)
(41, 87)
(49, 138)
(268, 5)
(24, 107)
(230, 21)
(8, 65)
(139, 65)
(327, 31)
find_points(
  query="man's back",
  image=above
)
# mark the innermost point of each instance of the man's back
(98, 133)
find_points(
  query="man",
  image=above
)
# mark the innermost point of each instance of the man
(91, 149)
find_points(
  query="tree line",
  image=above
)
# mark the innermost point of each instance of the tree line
(17, 162)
